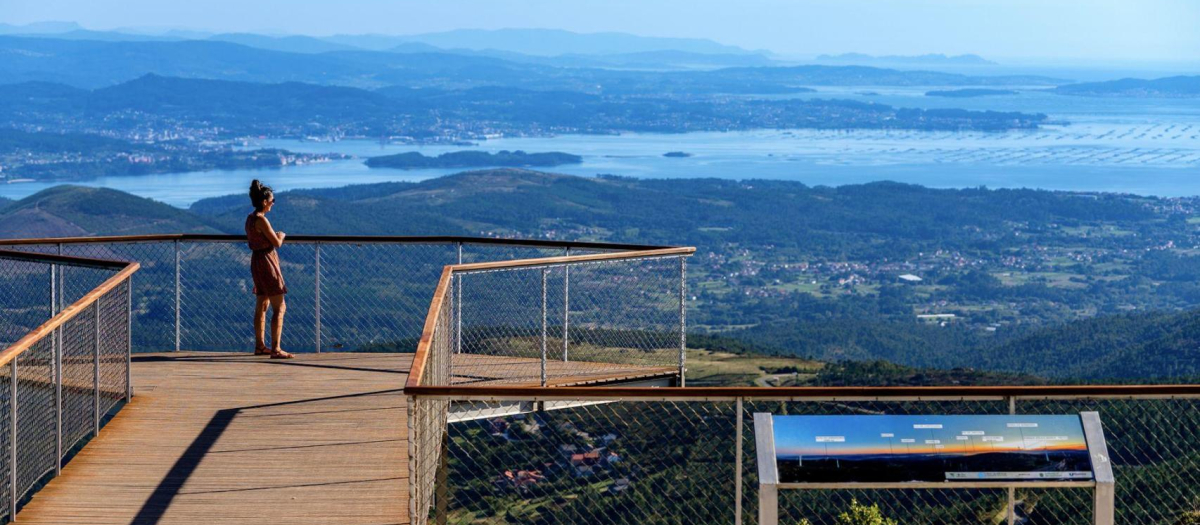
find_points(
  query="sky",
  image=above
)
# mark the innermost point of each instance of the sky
(1091, 30)
(854, 435)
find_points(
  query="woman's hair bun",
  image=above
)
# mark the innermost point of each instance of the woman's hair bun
(258, 193)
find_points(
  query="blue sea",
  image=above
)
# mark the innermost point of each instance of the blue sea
(1127, 145)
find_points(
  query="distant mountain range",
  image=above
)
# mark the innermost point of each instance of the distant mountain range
(926, 60)
(536, 46)
(92, 63)
(552, 42)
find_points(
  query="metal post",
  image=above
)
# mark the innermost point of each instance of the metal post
(129, 339)
(682, 320)
(441, 491)
(545, 272)
(96, 375)
(61, 280)
(458, 305)
(317, 295)
(737, 480)
(56, 347)
(177, 306)
(12, 441)
(1012, 491)
(566, 334)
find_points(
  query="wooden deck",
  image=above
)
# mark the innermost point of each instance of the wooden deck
(238, 439)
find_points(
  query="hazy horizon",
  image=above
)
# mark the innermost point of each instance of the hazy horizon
(1159, 31)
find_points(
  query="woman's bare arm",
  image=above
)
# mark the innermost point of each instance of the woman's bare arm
(264, 227)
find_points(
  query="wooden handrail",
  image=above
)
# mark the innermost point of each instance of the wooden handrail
(68, 313)
(423, 347)
(435, 310)
(573, 259)
(62, 259)
(364, 239)
(717, 393)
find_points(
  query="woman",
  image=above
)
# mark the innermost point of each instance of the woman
(269, 287)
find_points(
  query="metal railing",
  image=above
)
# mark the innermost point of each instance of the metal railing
(687, 455)
(366, 293)
(65, 326)
(520, 447)
(617, 317)
(537, 312)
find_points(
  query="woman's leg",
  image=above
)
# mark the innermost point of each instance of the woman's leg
(278, 308)
(260, 321)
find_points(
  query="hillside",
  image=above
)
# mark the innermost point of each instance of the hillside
(1036, 279)
(847, 221)
(233, 109)
(1170, 87)
(67, 211)
(1146, 346)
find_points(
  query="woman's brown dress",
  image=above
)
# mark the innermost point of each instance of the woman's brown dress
(264, 262)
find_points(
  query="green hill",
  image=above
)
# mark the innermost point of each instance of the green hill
(1170, 87)
(870, 220)
(64, 211)
(747, 231)
(1146, 346)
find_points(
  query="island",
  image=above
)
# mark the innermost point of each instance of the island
(1170, 87)
(474, 159)
(969, 93)
(677, 154)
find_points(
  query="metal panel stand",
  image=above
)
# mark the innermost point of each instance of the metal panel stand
(1103, 483)
(1104, 511)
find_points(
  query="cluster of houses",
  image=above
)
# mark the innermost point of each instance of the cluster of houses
(592, 457)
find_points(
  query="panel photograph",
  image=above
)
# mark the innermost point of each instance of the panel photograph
(875, 449)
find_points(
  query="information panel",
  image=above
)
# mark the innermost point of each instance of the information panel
(873, 449)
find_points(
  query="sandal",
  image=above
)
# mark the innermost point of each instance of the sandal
(280, 354)
(262, 350)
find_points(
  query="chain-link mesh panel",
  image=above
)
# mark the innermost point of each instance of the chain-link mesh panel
(626, 312)
(6, 440)
(153, 288)
(113, 337)
(36, 424)
(59, 395)
(79, 372)
(1155, 449)
(618, 462)
(374, 297)
(621, 319)
(25, 298)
